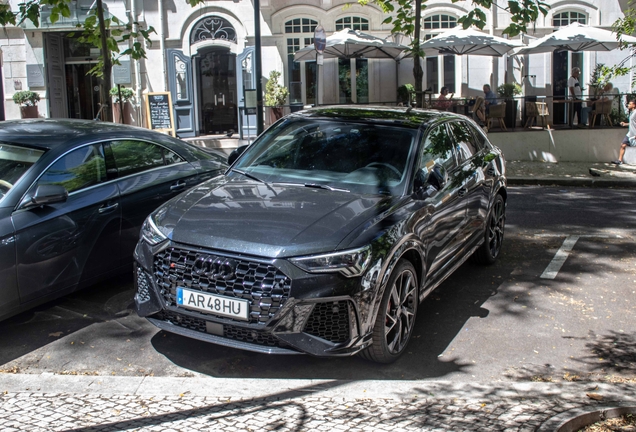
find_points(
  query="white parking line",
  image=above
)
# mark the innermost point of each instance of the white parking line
(562, 254)
(559, 258)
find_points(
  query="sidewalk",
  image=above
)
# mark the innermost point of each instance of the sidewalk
(589, 174)
(86, 403)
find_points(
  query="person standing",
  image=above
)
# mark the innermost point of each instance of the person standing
(630, 138)
(576, 94)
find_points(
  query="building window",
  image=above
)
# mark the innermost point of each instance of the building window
(300, 25)
(301, 75)
(439, 22)
(436, 79)
(566, 18)
(352, 22)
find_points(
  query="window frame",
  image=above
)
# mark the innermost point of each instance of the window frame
(352, 24)
(100, 147)
(569, 19)
(110, 179)
(109, 142)
(304, 39)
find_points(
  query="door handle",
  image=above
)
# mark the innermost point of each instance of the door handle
(178, 185)
(462, 191)
(106, 208)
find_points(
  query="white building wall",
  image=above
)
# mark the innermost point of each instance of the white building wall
(533, 72)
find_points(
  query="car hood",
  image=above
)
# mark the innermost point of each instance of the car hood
(270, 220)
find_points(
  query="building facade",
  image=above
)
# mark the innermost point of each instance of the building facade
(204, 56)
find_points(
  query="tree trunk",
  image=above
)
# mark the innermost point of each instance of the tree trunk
(104, 96)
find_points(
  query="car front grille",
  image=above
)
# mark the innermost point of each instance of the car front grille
(143, 286)
(329, 321)
(229, 331)
(263, 285)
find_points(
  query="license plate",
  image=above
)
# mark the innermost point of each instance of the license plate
(215, 304)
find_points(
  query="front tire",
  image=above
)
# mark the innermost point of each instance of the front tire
(494, 234)
(396, 317)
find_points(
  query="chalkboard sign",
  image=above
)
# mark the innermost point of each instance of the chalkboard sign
(159, 112)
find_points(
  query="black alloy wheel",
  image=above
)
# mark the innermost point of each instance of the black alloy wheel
(494, 235)
(396, 318)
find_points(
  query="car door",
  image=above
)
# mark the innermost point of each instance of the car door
(441, 218)
(58, 245)
(471, 175)
(9, 298)
(148, 174)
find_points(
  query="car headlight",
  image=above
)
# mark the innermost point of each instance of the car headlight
(151, 233)
(350, 263)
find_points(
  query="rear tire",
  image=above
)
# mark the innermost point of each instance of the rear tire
(494, 234)
(396, 317)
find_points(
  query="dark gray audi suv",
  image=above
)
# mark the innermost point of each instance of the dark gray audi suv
(325, 234)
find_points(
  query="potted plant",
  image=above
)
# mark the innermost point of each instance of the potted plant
(28, 101)
(275, 94)
(507, 92)
(126, 96)
(406, 94)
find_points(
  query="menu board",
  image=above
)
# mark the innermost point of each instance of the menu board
(159, 112)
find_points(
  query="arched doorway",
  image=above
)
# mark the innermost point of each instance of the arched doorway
(215, 71)
(203, 85)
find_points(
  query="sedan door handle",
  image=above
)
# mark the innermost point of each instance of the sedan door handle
(106, 208)
(461, 192)
(178, 185)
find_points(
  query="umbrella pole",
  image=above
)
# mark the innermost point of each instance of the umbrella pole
(317, 78)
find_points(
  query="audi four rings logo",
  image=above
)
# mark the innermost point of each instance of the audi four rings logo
(215, 268)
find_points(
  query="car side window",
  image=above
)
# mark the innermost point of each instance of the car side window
(480, 137)
(464, 140)
(78, 169)
(437, 149)
(136, 156)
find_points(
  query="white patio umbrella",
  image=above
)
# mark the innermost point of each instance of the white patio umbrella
(575, 37)
(468, 41)
(349, 43)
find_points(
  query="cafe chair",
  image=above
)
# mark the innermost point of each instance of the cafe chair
(536, 110)
(603, 109)
(496, 112)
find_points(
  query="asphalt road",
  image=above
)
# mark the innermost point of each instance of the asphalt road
(559, 305)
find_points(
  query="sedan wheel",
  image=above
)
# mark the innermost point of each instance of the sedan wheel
(396, 317)
(490, 249)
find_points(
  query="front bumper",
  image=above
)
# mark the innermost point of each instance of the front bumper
(291, 311)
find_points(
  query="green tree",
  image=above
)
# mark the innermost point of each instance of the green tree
(97, 30)
(406, 17)
(625, 26)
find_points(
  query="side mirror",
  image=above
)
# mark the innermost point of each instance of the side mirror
(45, 194)
(235, 154)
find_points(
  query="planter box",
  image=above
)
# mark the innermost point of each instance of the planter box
(128, 113)
(29, 112)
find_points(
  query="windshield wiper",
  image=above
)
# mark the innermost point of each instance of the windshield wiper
(322, 186)
(248, 175)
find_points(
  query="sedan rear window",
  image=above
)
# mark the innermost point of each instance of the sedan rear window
(14, 163)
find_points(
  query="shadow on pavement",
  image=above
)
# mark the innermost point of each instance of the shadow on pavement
(46, 323)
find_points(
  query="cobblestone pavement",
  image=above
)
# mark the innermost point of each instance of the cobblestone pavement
(298, 406)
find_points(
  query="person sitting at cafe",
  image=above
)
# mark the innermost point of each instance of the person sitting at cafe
(482, 104)
(604, 96)
(444, 102)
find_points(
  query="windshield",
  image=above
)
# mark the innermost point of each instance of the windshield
(14, 162)
(357, 157)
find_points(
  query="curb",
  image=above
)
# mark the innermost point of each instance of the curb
(576, 182)
(244, 388)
